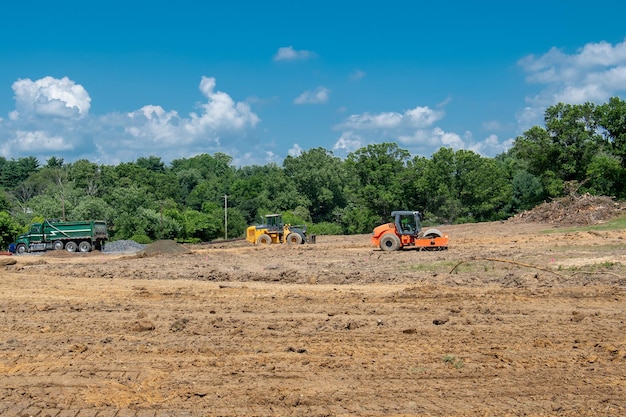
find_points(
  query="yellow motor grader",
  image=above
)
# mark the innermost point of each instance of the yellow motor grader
(273, 230)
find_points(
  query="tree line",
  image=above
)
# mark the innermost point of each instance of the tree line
(581, 148)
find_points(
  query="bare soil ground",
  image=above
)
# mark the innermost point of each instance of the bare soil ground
(509, 321)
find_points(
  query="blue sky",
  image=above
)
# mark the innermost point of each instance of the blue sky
(114, 81)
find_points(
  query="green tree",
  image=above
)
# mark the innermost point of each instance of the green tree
(86, 176)
(15, 171)
(527, 191)
(196, 226)
(263, 189)
(483, 189)
(377, 175)
(320, 177)
(146, 222)
(606, 174)
(436, 185)
(611, 117)
(5, 204)
(460, 186)
(92, 208)
(151, 163)
(203, 178)
(9, 229)
(574, 145)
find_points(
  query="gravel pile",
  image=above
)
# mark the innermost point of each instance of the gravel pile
(126, 246)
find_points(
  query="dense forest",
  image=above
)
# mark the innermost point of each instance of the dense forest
(581, 148)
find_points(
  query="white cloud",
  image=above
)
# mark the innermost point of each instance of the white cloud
(348, 142)
(295, 150)
(317, 96)
(50, 97)
(492, 125)
(601, 54)
(595, 73)
(448, 139)
(414, 130)
(221, 112)
(367, 121)
(270, 157)
(287, 53)
(423, 116)
(357, 74)
(432, 139)
(52, 119)
(25, 141)
(491, 146)
(419, 117)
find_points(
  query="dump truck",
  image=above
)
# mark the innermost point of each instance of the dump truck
(74, 236)
(273, 230)
(406, 231)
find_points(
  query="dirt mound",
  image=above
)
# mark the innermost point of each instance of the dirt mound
(161, 247)
(573, 210)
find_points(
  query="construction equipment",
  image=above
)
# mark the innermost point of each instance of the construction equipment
(76, 236)
(273, 230)
(406, 231)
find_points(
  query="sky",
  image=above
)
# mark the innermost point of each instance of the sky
(114, 81)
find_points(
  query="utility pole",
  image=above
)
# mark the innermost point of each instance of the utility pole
(225, 217)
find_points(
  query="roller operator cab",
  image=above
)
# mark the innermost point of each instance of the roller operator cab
(406, 231)
(273, 230)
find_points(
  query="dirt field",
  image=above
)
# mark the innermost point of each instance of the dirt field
(510, 321)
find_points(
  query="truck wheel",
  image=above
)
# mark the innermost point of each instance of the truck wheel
(21, 249)
(263, 239)
(71, 246)
(389, 242)
(84, 246)
(57, 245)
(294, 239)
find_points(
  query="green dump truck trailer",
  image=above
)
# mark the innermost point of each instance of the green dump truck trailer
(76, 236)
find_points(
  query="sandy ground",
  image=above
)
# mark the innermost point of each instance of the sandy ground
(510, 321)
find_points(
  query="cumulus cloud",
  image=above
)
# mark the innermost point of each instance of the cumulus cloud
(425, 139)
(52, 119)
(348, 142)
(287, 53)
(295, 150)
(491, 145)
(419, 117)
(220, 123)
(594, 73)
(317, 96)
(413, 129)
(50, 97)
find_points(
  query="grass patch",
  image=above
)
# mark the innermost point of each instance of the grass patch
(569, 247)
(432, 266)
(453, 361)
(613, 224)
